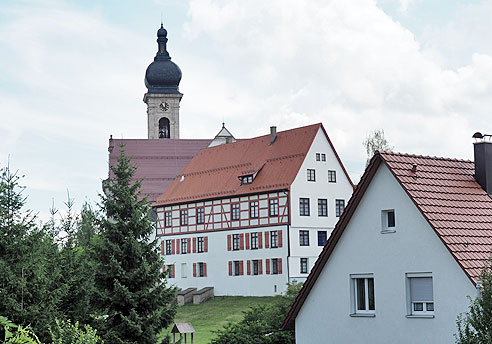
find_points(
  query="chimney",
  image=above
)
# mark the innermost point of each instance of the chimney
(483, 162)
(273, 134)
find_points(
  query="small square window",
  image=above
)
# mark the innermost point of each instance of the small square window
(311, 175)
(388, 223)
(363, 300)
(332, 176)
(304, 266)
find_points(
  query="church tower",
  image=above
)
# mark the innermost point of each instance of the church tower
(163, 97)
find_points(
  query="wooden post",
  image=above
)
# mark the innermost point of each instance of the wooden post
(191, 337)
(185, 339)
(174, 338)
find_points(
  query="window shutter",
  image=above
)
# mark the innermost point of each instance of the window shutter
(230, 268)
(194, 269)
(421, 289)
(194, 245)
(172, 271)
(260, 267)
(241, 241)
(162, 247)
(228, 242)
(241, 267)
(279, 238)
(177, 246)
(267, 242)
(164, 268)
(247, 241)
(260, 240)
(204, 269)
(172, 246)
(205, 244)
(189, 246)
(280, 266)
(248, 267)
(267, 266)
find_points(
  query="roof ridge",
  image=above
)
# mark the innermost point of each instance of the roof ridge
(423, 156)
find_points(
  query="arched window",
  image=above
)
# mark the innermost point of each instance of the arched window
(164, 131)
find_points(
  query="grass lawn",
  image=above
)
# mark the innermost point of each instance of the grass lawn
(215, 313)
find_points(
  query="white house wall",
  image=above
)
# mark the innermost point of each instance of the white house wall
(321, 188)
(363, 249)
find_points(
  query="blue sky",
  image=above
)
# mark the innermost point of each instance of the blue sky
(71, 74)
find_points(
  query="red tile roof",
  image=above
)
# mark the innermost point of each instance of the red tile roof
(448, 196)
(158, 161)
(214, 171)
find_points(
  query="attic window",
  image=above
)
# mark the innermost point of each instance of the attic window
(246, 179)
(388, 223)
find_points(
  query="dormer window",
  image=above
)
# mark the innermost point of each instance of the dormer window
(248, 179)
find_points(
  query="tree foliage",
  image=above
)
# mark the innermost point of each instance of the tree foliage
(131, 289)
(475, 326)
(261, 324)
(64, 332)
(375, 141)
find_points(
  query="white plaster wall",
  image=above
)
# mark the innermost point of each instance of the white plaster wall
(217, 259)
(324, 317)
(321, 188)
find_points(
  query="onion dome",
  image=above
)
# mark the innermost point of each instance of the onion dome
(162, 75)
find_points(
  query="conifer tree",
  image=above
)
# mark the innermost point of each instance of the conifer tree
(135, 302)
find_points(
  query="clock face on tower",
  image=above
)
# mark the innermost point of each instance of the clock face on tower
(164, 106)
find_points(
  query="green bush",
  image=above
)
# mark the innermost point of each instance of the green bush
(16, 334)
(67, 333)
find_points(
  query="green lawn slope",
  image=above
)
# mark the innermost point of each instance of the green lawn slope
(214, 314)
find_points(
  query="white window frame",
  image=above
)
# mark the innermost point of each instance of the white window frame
(411, 313)
(366, 312)
(384, 221)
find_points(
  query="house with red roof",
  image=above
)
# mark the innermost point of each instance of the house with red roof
(248, 217)
(405, 256)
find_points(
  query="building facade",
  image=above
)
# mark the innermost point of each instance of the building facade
(251, 216)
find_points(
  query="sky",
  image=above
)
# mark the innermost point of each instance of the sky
(72, 73)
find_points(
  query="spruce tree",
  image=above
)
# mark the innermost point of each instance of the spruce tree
(135, 302)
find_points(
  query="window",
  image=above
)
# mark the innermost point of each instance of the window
(304, 206)
(274, 239)
(332, 176)
(323, 157)
(183, 218)
(184, 246)
(235, 242)
(200, 242)
(253, 209)
(254, 240)
(168, 247)
(256, 265)
(235, 211)
(318, 155)
(274, 266)
(363, 294)
(170, 271)
(388, 220)
(311, 175)
(246, 179)
(168, 222)
(421, 296)
(273, 208)
(304, 265)
(200, 215)
(201, 270)
(322, 236)
(322, 207)
(303, 238)
(237, 270)
(339, 207)
(183, 270)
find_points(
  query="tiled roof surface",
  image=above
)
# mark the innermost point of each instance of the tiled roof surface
(214, 172)
(158, 161)
(453, 203)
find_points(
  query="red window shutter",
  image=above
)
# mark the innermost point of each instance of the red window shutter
(260, 267)
(205, 244)
(194, 269)
(280, 266)
(241, 241)
(172, 272)
(279, 238)
(248, 267)
(164, 268)
(260, 240)
(177, 246)
(267, 242)
(230, 268)
(241, 268)
(162, 247)
(194, 245)
(172, 246)
(247, 241)
(228, 242)
(189, 246)
(267, 266)
(204, 269)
